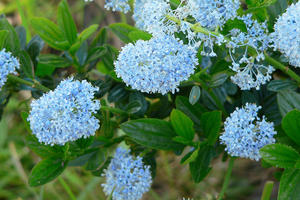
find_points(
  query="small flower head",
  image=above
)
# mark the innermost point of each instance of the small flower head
(127, 178)
(250, 72)
(8, 65)
(157, 65)
(245, 133)
(213, 13)
(65, 114)
(150, 15)
(251, 76)
(117, 5)
(286, 37)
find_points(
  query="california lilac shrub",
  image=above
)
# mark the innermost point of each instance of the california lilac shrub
(8, 65)
(185, 86)
(127, 178)
(65, 114)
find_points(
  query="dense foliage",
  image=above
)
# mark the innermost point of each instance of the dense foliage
(203, 79)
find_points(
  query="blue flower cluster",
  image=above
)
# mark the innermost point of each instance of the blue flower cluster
(250, 72)
(8, 65)
(286, 37)
(150, 15)
(157, 65)
(127, 178)
(117, 5)
(213, 13)
(245, 133)
(65, 114)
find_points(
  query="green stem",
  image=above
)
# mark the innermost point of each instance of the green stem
(67, 188)
(276, 64)
(227, 178)
(267, 190)
(283, 68)
(34, 84)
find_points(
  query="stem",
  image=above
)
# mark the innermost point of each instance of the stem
(34, 84)
(67, 188)
(267, 190)
(227, 178)
(283, 68)
(276, 64)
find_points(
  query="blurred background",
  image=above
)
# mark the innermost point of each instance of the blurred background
(172, 182)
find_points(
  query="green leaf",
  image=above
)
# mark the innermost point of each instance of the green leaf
(218, 79)
(96, 160)
(44, 151)
(12, 42)
(122, 31)
(49, 62)
(288, 100)
(50, 33)
(84, 35)
(200, 167)
(280, 155)
(194, 94)
(26, 64)
(3, 36)
(289, 188)
(139, 35)
(291, 125)
(182, 124)
(66, 22)
(46, 171)
(211, 123)
(152, 133)
(190, 157)
(100, 39)
(192, 111)
(96, 53)
(259, 3)
(279, 85)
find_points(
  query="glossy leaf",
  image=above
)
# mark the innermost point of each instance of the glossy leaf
(153, 133)
(280, 155)
(291, 125)
(46, 171)
(182, 124)
(211, 123)
(50, 33)
(289, 188)
(66, 22)
(288, 100)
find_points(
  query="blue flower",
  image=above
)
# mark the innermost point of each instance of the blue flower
(150, 15)
(251, 73)
(127, 178)
(157, 65)
(213, 13)
(286, 37)
(245, 133)
(117, 5)
(65, 114)
(8, 65)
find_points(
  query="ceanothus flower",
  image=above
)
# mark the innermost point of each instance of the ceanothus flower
(213, 13)
(65, 114)
(117, 5)
(150, 16)
(156, 65)
(286, 37)
(250, 72)
(245, 133)
(8, 65)
(127, 178)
